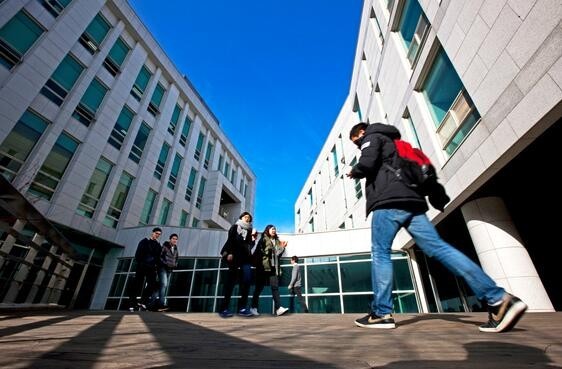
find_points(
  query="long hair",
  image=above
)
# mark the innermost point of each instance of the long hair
(266, 231)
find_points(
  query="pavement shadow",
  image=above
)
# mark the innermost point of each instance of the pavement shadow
(192, 346)
(484, 355)
(8, 331)
(455, 318)
(82, 350)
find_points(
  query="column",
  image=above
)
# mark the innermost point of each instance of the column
(501, 251)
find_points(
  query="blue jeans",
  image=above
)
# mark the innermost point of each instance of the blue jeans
(385, 225)
(164, 281)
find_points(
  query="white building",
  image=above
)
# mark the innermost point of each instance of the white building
(101, 132)
(478, 86)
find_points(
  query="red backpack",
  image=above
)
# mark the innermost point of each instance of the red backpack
(413, 167)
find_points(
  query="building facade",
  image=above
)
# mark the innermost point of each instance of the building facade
(100, 132)
(477, 85)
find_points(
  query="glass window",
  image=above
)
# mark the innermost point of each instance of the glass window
(165, 211)
(204, 283)
(441, 86)
(208, 155)
(16, 37)
(140, 83)
(221, 163)
(95, 33)
(413, 28)
(162, 158)
(180, 284)
(118, 201)
(199, 200)
(226, 169)
(47, 179)
(86, 110)
(356, 276)
(174, 172)
(199, 146)
(121, 128)
(156, 99)
(185, 131)
(148, 207)
(195, 222)
(92, 194)
(184, 218)
(116, 56)
(453, 111)
(322, 278)
(174, 121)
(140, 142)
(190, 184)
(55, 7)
(20, 142)
(324, 304)
(62, 80)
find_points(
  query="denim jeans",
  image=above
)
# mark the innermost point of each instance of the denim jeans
(385, 225)
(164, 281)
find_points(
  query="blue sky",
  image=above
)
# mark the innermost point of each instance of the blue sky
(274, 72)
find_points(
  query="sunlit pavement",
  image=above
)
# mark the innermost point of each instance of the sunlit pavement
(191, 340)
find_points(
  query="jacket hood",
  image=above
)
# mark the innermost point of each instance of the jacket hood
(383, 129)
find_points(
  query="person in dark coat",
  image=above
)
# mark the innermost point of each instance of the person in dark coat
(147, 258)
(236, 253)
(396, 205)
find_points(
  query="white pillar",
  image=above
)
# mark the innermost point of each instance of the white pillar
(501, 252)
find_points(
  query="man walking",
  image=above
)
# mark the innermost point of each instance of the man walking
(146, 257)
(295, 287)
(396, 205)
(168, 261)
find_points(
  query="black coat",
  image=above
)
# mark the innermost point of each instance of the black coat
(148, 252)
(239, 247)
(383, 189)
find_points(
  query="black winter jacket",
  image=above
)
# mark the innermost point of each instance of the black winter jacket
(383, 188)
(239, 247)
(148, 252)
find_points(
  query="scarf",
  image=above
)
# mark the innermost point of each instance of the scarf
(243, 228)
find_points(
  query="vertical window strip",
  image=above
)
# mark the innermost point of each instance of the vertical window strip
(190, 184)
(185, 131)
(165, 212)
(200, 192)
(121, 128)
(19, 143)
(16, 38)
(51, 172)
(62, 80)
(92, 194)
(172, 179)
(140, 142)
(118, 202)
(148, 207)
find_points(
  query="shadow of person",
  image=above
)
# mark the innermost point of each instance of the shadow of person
(227, 345)
(450, 317)
(486, 355)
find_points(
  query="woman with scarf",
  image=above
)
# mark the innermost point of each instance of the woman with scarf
(268, 268)
(236, 252)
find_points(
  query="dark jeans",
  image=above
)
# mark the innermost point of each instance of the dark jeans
(262, 277)
(143, 272)
(244, 274)
(297, 291)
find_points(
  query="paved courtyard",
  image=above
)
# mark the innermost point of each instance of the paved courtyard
(191, 340)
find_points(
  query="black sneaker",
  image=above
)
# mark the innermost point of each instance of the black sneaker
(375, 321)
(503, 317)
